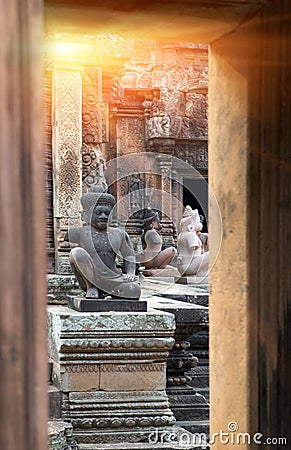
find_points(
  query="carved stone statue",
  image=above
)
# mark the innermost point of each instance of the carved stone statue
(152, 256)
(94, 260)
(94, 166)
(192, 260)
(159, 123)
(134, 189)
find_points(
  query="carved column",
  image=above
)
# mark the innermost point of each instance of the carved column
(165, 169)
(94, 129)
(67, 160)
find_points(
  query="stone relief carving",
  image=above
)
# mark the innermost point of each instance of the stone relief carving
(91, 106)
(113, 46)
(87, 323)
(131, 133)
(126, 396)
(117, 90)
(135, 185)
(108, 422)
(194, 153)
(116, 343)
(158, 125)
(68, 182)
(133, 368)
(82, 368)
(67, 164)
(94, 165)
(67, 171)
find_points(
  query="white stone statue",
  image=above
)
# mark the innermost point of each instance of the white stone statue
(192, 260)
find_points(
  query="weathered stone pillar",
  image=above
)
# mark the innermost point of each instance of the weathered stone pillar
(67, 158)
(249, 125)
(166, 198)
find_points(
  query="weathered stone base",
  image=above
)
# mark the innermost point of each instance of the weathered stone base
(111, 370)
(192, 280)
(106, 305)
(101, 417)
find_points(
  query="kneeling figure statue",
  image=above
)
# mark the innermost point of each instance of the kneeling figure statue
(191, 258)
(152, 256)
(94, 260)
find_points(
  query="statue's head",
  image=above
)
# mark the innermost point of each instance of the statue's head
(97, 206)
(151, 220)
(191, 220)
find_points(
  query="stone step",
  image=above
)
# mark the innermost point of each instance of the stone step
(60, 436)
(195, 426)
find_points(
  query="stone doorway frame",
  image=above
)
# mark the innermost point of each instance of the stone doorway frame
(249, 306)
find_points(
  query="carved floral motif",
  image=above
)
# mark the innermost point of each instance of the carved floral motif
(91, 106)
(94, 165)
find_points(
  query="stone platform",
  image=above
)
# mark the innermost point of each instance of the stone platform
(111, 370)
(191, 280)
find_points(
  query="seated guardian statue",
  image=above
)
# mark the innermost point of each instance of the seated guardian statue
(192, 260)
(152, 256)
(93, 261)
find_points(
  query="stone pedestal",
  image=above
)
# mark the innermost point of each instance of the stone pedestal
(190, 407)
(111, 370)
(105, 305)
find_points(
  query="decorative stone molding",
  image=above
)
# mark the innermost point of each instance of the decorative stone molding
(91, 105)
